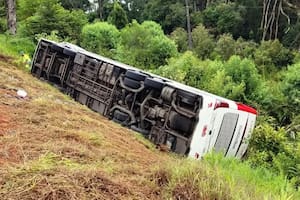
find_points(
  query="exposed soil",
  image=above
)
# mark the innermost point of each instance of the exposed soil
(54, 148)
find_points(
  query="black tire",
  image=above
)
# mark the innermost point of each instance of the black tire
(69, 52)
(135, 75)
(180, 123)
(57, 48)
(120, 116)
(131, 83)
(152, 83)
(187, 97)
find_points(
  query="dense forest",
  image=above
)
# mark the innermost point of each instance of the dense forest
(244, 50)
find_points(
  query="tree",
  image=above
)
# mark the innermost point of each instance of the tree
(225, 46)
(272, 55)
(169, 13)
(145, 45)
(100, 37)
(224, 18)
(179, 35)
(11, 16)
(118, 16)
(203, 42)
(244, 71)
(51, 16)
(76, 4)
(291, 90)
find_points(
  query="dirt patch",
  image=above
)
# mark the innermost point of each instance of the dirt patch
(186, 190)
(6, 122)
(6, 59)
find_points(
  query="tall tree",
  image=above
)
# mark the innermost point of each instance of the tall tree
(11, 16)
(118, 16)
(188, 22)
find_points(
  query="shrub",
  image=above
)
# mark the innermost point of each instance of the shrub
(271, 55)
(145, 45)
(202, 41)
(179, 35)
(225, 46)
(51, 16)
(117, 16)
(100, 37)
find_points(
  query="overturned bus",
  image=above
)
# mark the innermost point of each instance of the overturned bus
(183, 119)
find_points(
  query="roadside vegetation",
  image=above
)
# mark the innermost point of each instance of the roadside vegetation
(231, 56)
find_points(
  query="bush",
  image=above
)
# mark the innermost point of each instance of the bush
(3, 25)
(224, 18)
(275, 150)
(180, 37)
(202, 41)
(225, 47)
(118, 16)
(14, 46)
(216, 177)
(244, 71)
(51, 16)
(100, 37)
(272, 55)
(145, 45)
(290, 88)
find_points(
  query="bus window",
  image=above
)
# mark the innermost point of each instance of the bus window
(226, 132)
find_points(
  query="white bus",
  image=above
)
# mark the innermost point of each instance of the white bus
(172, 115)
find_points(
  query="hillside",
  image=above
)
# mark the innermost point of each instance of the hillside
(51, 147)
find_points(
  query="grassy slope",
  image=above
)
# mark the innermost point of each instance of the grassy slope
(53, 148)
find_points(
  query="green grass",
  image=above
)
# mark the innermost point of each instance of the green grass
(216, 177)
(14, 45)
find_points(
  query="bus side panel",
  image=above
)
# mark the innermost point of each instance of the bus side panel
(238, 134)
(244, 143)
(199, 142)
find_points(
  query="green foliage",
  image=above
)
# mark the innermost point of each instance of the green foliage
(3, 25)
(51, 16)
(202, 41)
(13, 46)
(118, 16)
(225, 46)
(169, 13)
(271, 55)
(274, 150)
(216, 177)
(100, 37)
(76, 4)
(27, 8)
(243, 71)
(179, 35)
(211, 76)
(292, 38)
(145, 45)
(224, 18)
(291, 90)
(52, 36)
(178, 68)
(245, 49)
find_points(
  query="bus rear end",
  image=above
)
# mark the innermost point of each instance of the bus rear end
(228, 128)
(232, 128)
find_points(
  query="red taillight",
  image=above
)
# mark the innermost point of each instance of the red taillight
(221, 104)
(246, 108)
(204, 130)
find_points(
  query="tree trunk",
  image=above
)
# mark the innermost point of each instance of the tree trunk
(11, 16)
(100, 9)
(188, 21)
